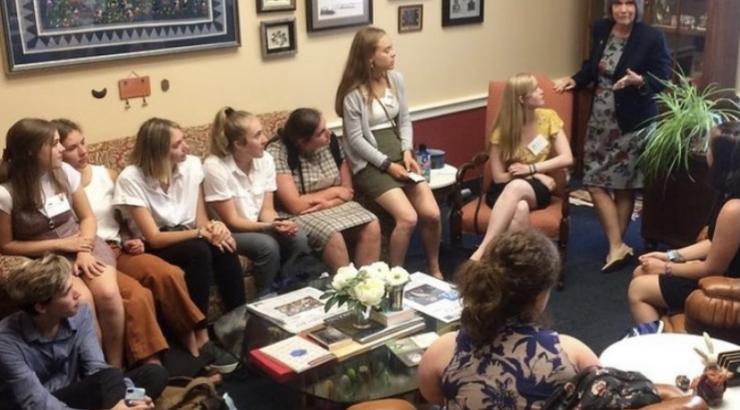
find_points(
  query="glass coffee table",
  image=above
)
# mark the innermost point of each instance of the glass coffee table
(372, 375)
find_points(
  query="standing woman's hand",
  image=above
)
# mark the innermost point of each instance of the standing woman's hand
(410, 163)
(564, 84)
(629, 79)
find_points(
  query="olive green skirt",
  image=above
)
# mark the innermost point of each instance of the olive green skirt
(374, 182)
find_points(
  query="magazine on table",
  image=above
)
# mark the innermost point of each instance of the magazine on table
(432, 297)
(297, 311)
(298, 353)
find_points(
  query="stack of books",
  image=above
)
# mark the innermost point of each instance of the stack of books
(392, 317)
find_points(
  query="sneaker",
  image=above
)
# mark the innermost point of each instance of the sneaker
(218, 358)
(647, 328)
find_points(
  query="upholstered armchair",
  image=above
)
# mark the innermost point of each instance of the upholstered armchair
(554, 221)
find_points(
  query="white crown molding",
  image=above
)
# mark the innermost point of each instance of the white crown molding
(434, 110)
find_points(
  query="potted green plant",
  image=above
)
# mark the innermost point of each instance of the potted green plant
(677, 198)
(682, 128)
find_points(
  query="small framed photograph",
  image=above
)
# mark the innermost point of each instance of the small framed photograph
(456, 12)
(410, 18)
(278, 37)
(331, 14)
(266, 6)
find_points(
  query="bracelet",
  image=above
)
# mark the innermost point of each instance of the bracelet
(534, 167)
(531, 169)
(198, 233)
(674, 256)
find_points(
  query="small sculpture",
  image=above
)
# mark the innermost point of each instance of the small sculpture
(711, 385)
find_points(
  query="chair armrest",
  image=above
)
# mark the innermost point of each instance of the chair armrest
(715, 308)
(721, 287)
(479, 159)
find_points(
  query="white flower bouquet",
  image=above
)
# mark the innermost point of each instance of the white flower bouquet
(365, 288)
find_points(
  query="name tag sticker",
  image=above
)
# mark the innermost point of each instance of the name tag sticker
(56, 205)
(537, 145)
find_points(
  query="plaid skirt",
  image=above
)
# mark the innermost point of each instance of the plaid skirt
(320, 225)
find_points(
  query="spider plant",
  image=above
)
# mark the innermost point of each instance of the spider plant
(683, 126)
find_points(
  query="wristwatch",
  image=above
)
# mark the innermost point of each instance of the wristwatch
(674, 256)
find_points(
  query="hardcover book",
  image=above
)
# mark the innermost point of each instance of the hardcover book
(297, 311)
(297, 353)
(330, 338)
(392, 318)
(406, 350)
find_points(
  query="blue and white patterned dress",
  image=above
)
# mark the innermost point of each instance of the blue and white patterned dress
(520, 369)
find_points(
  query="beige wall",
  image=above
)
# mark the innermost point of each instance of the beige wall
(440, 65)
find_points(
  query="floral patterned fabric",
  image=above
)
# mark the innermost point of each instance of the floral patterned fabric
(610, 157)
(520, 369)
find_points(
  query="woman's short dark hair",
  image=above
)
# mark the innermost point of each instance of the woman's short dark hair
(639, 7)
(517, 267)
(724, 174)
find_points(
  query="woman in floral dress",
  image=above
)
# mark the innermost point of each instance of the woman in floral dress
(502, 357)
(628, 58)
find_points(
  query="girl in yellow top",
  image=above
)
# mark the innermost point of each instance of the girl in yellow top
(527, 142)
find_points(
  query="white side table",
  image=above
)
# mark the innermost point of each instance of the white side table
(443, 177)
(664, 356)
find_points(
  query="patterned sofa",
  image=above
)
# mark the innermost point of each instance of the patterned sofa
(114, 153)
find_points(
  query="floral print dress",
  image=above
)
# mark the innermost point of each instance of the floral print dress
(610, 157)
(520, 369)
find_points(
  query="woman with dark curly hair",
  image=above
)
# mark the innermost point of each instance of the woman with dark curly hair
(502, 357)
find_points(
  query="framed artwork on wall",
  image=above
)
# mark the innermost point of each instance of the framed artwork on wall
(456, 12)
(410, 18)
(41, 34)
(265, 6)
(331, 14)
(278, 37)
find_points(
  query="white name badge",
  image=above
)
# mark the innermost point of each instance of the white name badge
(538, 144)
(56, 205)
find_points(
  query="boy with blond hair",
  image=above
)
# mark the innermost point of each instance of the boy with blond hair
(50, 357)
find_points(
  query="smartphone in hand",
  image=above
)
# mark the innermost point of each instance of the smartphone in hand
(416, 178)
(135, 394)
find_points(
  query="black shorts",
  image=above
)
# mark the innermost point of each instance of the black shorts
(676, 290)
(542, 195)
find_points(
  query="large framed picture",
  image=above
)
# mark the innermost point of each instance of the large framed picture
(265, 6)
(456, 12)
(330, 14)
(41, 34)
(278, 37)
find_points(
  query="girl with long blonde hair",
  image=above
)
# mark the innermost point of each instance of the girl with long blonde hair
(378, 142)
(526, 144)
